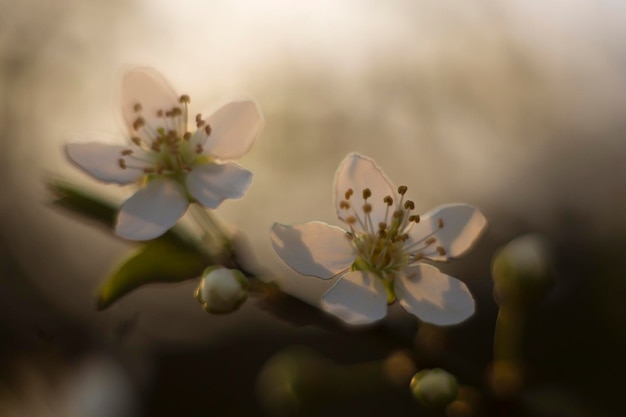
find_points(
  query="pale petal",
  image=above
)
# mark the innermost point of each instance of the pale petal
(233, 129)
(151, 211)
(313, 248)
(211, 183)
(357, 172)
(357, 298)
(101, 161)
(462, 226)
(433, 296)
(149, 89)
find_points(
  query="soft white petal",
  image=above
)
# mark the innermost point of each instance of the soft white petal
(233, 129)
(148, 88)
(357, 298)
(211, 183)
(152, 210)
(433, 296)
(462, 226)
(101, 161)
(313, 248)
(358, 172)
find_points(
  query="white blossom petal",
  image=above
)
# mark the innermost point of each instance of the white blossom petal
(101, 161)
(211, 183)
(152, 210)
(233, 129)
(358, 297)
(313, 248)
(149, 89)
(462, 226)
(433, 296)
(358, 172)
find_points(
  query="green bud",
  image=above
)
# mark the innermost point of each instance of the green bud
(522, 271)
(222, 290)
(434, 387)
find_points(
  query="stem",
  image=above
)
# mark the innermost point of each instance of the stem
(208, 223)
(507, 371)
(508, 335)
(214, 241)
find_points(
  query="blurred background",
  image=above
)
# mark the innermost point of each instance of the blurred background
(516, 107)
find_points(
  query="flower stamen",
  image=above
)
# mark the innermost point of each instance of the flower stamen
(138, 123)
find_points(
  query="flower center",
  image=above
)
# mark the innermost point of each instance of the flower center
(386, 248)
(166, 148)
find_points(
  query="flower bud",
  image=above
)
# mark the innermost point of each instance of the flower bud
(222, 290)
(434, 387)
(522, 271)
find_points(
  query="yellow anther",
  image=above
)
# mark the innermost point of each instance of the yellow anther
(207, 130)
(430, 240)
(344, 204)
(388, 200)
(367, 193)
(441, 250)
(418, 256)
(198, 117)
(348, 193)
(187, 135)
(409, 205)
(127, 152)
(398, 214)
(440, 223)
(414, 218)
(184, 99)
(136, 140)
(402, 189)
(137, 107)
(367, 208)
(176, 112)
(350, 220)
(200, 124)
(122, 163)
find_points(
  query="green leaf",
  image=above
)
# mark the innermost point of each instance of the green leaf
(159, 260)
(83, 203)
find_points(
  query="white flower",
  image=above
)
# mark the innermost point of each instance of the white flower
(178, 165)
(222, 290)
(380, 259)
